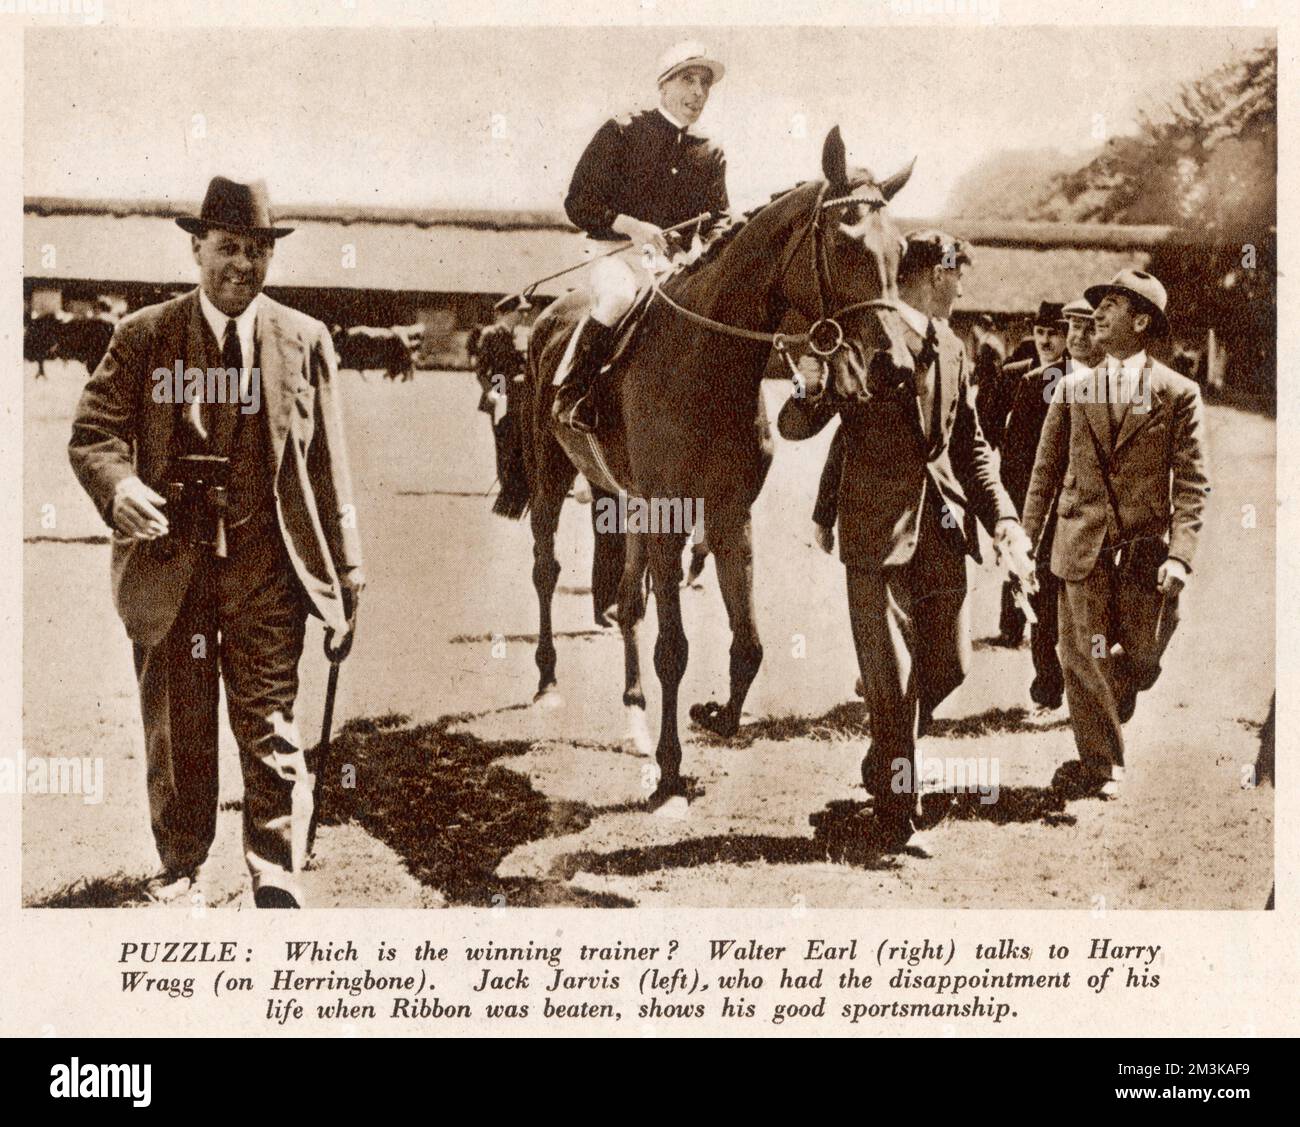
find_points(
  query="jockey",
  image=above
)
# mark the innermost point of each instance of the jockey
(640, 174)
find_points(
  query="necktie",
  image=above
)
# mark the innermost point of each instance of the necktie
(927, 357)
(1115, 397)
(221, 415)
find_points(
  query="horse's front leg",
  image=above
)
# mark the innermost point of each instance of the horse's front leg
(731, 542)
(671, 651)
(631, 610)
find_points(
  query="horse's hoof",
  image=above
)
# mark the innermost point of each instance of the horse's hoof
(548, 699)
(638, 731)
(674, 809)
(715, 718)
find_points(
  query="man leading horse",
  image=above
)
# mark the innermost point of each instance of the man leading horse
(917, 475)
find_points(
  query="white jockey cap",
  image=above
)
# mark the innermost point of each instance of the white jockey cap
(688, 54)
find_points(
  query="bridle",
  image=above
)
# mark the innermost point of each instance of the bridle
(825, 336)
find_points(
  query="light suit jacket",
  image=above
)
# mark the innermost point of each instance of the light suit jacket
(121, 430)
(1156, 465)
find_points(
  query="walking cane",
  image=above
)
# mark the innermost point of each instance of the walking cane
(336, 655)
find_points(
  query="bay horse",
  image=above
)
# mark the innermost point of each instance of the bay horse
(690, 423)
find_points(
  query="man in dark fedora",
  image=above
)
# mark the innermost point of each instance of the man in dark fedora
(1017, 383)
(1121, 465)
(230, 525)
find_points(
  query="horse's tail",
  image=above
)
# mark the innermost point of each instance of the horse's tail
(512, 440)
(515, 445)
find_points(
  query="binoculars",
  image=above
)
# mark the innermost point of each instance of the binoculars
(197, 495)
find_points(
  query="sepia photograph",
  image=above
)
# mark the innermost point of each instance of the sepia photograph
(687, 466)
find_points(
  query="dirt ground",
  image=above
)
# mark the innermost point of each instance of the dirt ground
(465, 793)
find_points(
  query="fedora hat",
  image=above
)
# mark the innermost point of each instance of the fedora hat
(1051, 314)
(1077, 308)
(1143, 289)
(688, 54)
(234, 207)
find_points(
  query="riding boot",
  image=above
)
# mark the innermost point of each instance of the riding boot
(576, 400)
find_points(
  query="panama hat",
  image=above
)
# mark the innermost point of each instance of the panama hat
(1144, 289)
(688, 54)
(234, 207)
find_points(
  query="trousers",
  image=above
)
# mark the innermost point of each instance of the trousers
(1096, 614)
(911, 633)
(241, 624)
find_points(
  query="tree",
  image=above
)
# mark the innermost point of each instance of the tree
(1207, 163)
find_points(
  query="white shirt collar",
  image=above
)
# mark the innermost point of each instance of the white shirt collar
(1135, 363)
(245, 324)
(675, 123)
(917, 321)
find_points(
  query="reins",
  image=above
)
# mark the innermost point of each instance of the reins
(814, 339)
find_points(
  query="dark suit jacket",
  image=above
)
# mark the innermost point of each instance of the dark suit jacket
(887, 474)
(993, 398)
(1026, 402)
(121, 430)
(1156, 467)
(643, 166)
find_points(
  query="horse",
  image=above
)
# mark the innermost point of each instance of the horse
(40, 340)
(690, 422)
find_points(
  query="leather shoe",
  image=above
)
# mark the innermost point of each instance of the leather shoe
(891, 833)
(169, 886)
(1111, 787)
(268, 896)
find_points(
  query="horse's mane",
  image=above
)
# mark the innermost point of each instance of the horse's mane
(724, 235)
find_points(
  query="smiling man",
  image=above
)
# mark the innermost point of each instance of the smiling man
(639, 175)
(1121, 462)
(229, 528)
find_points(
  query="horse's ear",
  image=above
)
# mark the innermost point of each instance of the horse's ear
(834, 167)
(890, 187)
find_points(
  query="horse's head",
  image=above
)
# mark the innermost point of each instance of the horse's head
(846, 258)
(848, 250)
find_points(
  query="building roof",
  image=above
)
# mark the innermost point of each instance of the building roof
(1016, 265)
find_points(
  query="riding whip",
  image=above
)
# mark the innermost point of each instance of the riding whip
(527, 292)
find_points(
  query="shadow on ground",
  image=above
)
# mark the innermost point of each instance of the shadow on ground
(442, 802)
(844, 832)
(848, 721)
(438, 799)
(116, 891)
(531, 639)
(993, 721)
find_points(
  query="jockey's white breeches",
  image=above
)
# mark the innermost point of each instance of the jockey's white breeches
(616, 280)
